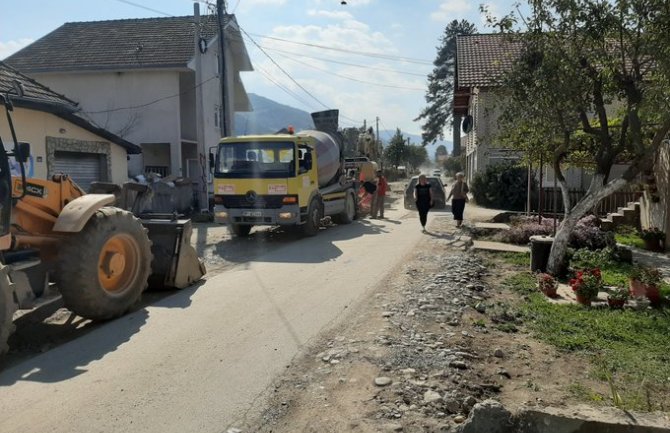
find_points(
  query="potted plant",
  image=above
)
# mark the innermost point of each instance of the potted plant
(617, 297)
(586, 285)
(645, 281)
(653, 238)
(547, 284)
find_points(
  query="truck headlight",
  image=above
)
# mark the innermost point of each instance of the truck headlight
(221, 215)
(286, 215)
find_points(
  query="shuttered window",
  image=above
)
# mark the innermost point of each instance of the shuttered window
(82, 167)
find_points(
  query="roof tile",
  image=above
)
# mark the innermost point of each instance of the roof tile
(117, 44)
(482, 59)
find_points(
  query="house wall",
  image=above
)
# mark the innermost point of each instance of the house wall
(105, 98)
(38, 128)
(481, 144)
(579, 178)
(657, 214)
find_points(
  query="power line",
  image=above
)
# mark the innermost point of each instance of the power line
(357, 65)
(282, 87)
(351, 78)
(282, 69)
(145, 7)
(360, 53)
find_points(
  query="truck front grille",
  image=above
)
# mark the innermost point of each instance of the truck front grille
(261, 202)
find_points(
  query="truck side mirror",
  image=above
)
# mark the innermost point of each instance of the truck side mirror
(308, 160)
(22, 152)
(211, 161)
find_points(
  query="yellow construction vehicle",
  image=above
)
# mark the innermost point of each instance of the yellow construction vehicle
(98, 252)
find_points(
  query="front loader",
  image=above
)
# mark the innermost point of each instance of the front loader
(100, 254)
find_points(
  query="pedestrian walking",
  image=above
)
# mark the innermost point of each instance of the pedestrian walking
(423, 197)
(380, 193)
(459, 192)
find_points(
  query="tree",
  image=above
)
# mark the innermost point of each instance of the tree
(416, 156)
(591, 85)
(396, 152)
(441, 153)
(440, 93)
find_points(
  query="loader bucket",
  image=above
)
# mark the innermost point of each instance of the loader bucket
(176, 264)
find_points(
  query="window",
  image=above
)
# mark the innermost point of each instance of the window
(263, 159)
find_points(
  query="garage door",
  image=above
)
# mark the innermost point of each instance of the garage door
(83, 168)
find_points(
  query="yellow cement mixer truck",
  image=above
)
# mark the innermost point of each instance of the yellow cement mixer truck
(287, 179)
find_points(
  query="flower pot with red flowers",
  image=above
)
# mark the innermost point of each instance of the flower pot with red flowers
(586, 285)
(645, 281)
(547, 284)
(617, 297)
(653, 239)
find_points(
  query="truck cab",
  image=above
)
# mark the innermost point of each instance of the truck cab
(262, 180)
(274, 180)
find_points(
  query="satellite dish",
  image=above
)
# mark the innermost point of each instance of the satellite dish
(467, 124)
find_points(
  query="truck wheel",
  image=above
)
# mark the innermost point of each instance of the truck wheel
(103, 270)
(7, 309)
(349, 213)
(240, 230)
(311, 226)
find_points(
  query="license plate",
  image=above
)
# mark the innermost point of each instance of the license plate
(256, 213)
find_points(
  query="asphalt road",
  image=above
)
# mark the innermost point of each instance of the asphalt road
(202, 359)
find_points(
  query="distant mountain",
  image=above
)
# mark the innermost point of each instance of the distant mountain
(269, 117)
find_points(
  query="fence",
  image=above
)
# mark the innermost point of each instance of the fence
(553, 200)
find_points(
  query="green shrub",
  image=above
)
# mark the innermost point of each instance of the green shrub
(502, 186)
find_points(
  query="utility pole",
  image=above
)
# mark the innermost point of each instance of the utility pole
(220, 14)
(378, 142)
(203, 196)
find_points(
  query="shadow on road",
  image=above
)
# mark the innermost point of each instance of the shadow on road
(271, 245)
(52, 327)
(70, 359)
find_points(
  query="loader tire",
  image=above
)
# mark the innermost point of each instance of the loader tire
(7, 309)
(104, 269)
(350, 210)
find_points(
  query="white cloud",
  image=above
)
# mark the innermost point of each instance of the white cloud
(10, 47)
(354, 90)
(449, 8)
(336, 15)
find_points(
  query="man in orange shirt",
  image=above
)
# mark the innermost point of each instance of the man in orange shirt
(379, 194)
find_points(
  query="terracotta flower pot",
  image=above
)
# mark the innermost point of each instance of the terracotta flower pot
(653, 294)
(638, 289)
(583, 300)
(549, 291)
(616, 304)
(653, 245)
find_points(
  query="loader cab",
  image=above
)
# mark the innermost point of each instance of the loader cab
(5, 191)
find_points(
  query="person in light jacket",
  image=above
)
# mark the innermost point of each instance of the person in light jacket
(459, 192)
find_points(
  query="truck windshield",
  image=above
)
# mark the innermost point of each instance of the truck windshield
(264, 159)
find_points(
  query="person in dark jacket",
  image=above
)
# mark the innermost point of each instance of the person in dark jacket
(423, 197)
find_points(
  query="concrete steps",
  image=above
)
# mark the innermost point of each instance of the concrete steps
(629, 215)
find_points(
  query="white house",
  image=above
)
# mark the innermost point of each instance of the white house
(136, 78)
(61, 141)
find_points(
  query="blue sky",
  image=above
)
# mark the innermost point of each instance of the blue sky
(389, 46)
